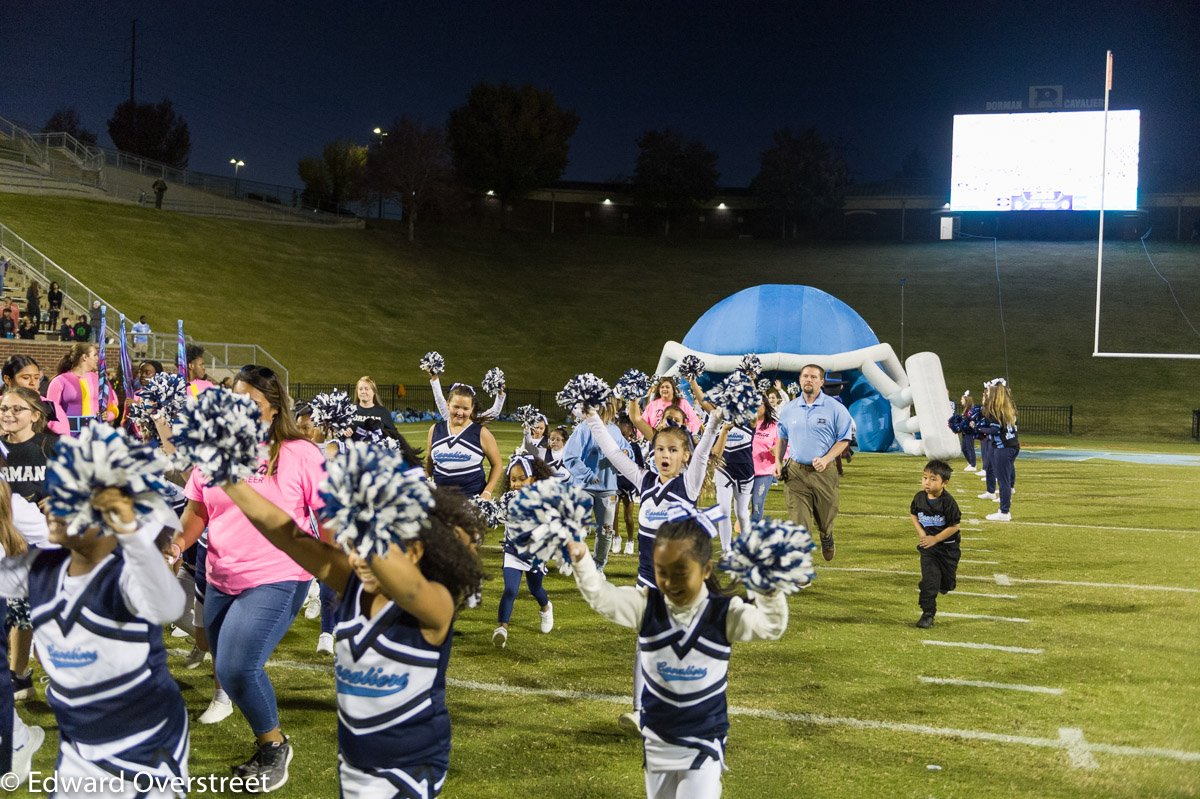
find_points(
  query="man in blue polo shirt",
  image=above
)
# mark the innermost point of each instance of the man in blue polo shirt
(817, 428)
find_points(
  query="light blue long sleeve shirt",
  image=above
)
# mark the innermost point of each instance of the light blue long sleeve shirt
(812, 430)
(588, 467)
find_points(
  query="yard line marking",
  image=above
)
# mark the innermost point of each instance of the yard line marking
(969, 549)
(1014, 580)
(1002, 579)
(1004, 686)
(982, 562)
(1077, 748)
(987, 618)
(968, 645)
(1050, 524)
(969, 521)
(802, 718)
(993, 596)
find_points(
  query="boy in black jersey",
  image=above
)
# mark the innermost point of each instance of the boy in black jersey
(936, 516)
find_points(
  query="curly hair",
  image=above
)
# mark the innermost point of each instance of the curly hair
(450, 556)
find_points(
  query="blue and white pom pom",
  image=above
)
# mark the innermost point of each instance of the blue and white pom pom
(776, 556)
(491, 511)
(738, 398)
(751, 365)
(691, 367)
(633, 385)
(585, 390)
(164, 395)
(793, 389)
(103, 457)
(434, 363)
(373, 499)
(221, 434)
(764, 385)
(528, 416)
(334, 410)
(546, 516)
(493, 381)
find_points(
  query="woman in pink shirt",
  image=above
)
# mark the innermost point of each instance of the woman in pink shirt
(75, 392)
(255, 590)
(197, 374)
(765, 434)
(665, 394)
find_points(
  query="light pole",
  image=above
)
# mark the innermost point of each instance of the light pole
(237, 164)
(380, 132)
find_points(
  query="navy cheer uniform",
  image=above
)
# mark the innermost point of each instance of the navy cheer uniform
(458, 460)
(739, 461)
(685, 672)
(657, 497)
(393, 726)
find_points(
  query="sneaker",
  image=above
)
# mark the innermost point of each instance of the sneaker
(989, 495)
(631, 721)
(1012, 491)
(500, 637)
(629, 546)
(23, 687)
(616, 545)
(325, 643)
(217, 711)
(22, 757)
(982, 475)
(195, 658)
(827, 547)
(268, 768)
(312, 603)
(999, 517)
(566, 570)
(178, 632)
(547, 617)
(968, 468)
(475, 599)
(926, 621)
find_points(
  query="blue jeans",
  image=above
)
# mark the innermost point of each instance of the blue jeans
(243, 629)
(758, 495)
(604, 510)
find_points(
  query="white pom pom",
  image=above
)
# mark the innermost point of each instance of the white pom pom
(544, 517)
(793, 389)
(528, 416)
(751, 365)
(163, 395)
(584, 391)
(774, 557)
(222, 434)
(434, 363)
(334, 410)
(493, 381)
(633, 385)
(691, 367)
(738, 398)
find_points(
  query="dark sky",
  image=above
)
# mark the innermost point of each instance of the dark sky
(269, 82)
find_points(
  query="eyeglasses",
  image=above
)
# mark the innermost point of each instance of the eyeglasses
(15, 410)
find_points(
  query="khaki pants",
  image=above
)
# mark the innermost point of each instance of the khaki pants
(812, 500)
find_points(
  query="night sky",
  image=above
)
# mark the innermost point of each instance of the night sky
(271, 82)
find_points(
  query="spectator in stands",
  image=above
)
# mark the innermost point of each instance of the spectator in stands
(140, 337)
(54, 297)
(83, 331)
(33, 303)
(6, 327)
(160, 188)
(28, 328)
(13, 311)
(97, 316)
(67, 331)
(3, 272)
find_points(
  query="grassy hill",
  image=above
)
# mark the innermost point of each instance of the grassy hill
(336, 304)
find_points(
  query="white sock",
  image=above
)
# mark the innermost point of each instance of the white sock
(20, 732)
(220, 696)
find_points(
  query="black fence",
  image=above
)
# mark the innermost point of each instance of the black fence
(1196, 425)
(1058, 419)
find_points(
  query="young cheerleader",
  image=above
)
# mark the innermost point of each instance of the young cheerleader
(685, 627)
(98, 605)
(394, 634)
(594, 473)
(1000, 427)
(21, 371)
(535, 440)
(734, 475)
(523, 470)
(435, 383)
(626, 491)
(458, 446)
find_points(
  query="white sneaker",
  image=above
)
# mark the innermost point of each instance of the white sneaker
(629, 546)
(616, 545)
(999, 517)
(500, 637)
(547, 617)
(22, 757)
(325, 643)
(982, 475)
(631, 721)
(217, 711)
(195, 658)
(566, 570)
(988, 495)
(968, 468)
(312, 604)
(1012, 491)
(475, 599)
(178, 632)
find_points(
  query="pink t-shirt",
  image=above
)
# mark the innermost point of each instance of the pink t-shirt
(653, 413)
(238, 556)
(765, 435)
(196, 386)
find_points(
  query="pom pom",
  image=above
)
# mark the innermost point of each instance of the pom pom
(544, 517)
(491, 511)
(584, 390)
(738, 398)
(221, 433)
(103, 457)
(775, 556)
(956, 424)
(793, 389)
(691, 367)
(751, 365)
(528, 415)
(493, 381)
(633, 385)
(373, 500)
(434, 363)
(763, 385)
(335, 410)
(163, 395)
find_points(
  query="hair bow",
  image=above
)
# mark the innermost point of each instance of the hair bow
(463, 386)
(524, 461)
(706, 518)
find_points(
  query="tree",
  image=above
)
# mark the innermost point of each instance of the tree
(412, 167)
(151, 130)
(673, 175)
(509, 140)
(802, 177)
(66, 120)
(335, 177)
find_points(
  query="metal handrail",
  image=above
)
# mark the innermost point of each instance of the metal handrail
(18, 133)
(87, 157)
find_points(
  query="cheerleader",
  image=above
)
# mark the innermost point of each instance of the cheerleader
(734, 475)
(677, 479)
(394, 633)
(685, 627)
(75, 391)
(98, 605)
(535, 441)
(491, 414)
(626, 491)
(1000, 427)
(23, 372)
(523, 470)
(458, 446)
(594, 473)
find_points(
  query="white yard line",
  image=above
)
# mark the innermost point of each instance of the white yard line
(982, 562)
(1048, 524)
(985, 618)
(1004, 579)
(1077, 748)
(970, 549)
(1003, 686)
(1020, 650)
(990, 596)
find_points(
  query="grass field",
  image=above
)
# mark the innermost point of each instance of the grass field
(336, 304)
(1100, 561)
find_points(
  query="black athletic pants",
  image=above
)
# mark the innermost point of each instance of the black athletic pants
(939, 565)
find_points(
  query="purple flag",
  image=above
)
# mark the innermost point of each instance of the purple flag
(181, 354)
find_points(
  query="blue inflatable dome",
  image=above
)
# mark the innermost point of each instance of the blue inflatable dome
(805, 321)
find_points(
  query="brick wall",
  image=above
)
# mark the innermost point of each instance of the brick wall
(48, 353)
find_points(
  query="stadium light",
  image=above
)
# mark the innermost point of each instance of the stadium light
(606, 201)
(722, 205)
(237, 164)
